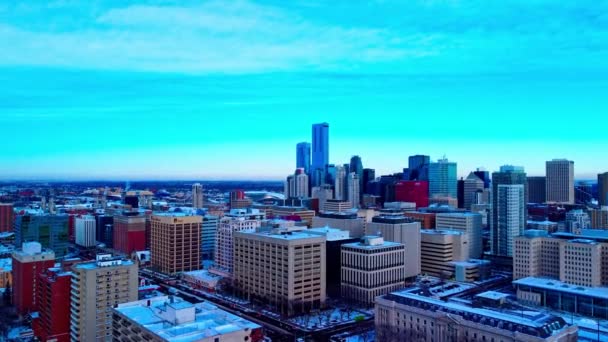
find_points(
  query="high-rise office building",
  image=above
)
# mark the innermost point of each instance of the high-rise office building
(53, 300)
(85, 231)
(176, 243)
(301, 184)
(96, 288)
(393, 226)
(102, 225)
(371, 268)
(51, 231)
(208, 236)
(129, 232)
(470, 224)
(286, 270)
(368, 176)
(484, 176)
(6, 217)
(602, 188)
(197, 196)
(303, 156)
(439, 248)
(560, 181)
(353, 190)
(320, 152)
(537, 190)
(473, 188)
(340, 184)
(413, 191)
(238, 220)
(418, 168)
(28, 263)
(508, 208)
(356, 166)
(442, 179)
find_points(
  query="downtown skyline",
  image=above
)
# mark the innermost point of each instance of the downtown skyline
(231, 98)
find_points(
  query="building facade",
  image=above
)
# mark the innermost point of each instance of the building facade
(560, 181)
(320, 152)
(354, 196)
(537, 190)
(348, 221)
(371, 268)
(285, 270)
(469, 224)
(129, 232)
(28, 263)
(53, 301)
(208, 236)
(602, 189)
(443, 179)
(51, 231)
(509, 212)
(439, 248)
(96, 288)
(235, 221)
(176, 243)
(303, 156)
(197, 196)
(413, 191)
(85, 230)
(6, 217)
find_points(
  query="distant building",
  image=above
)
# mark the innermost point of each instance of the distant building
(50, 230)
(291, 212)
(301, 185)
(85, 231)
(208, 236)
(240, 220)
(197, 196)
(469, 224)
(368, 176)
(340, 184)
(337, 206)
(238, 200)
(413, 191)
(129, 231)
(303, 156)
(286, 271)
(6, 217)
(53, 300)
(176, 243)
(96, 288)
(371, 268)
(393, 226)
(168, 318)
(348, 221)
(439, 248)
(28, 263)
(473, 191)
(602, 188)
(320, 152)
(560, 181)
(353, 190)
(418, 168)
(427, 220)
(104, 229)
(442, 179)
(537, 190)
(509, 212)
(576, 220)
(599, 218)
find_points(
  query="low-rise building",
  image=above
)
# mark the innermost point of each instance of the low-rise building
(168, 318)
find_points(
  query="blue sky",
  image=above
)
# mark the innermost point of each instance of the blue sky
(213, 89)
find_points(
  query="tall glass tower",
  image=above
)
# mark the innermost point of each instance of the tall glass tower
(303, 156)
(320, 152)
(442, 179)
(508, 208)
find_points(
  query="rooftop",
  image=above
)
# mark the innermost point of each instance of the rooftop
(369, 243)
(208, 320)
(291, 235)
(556, 285)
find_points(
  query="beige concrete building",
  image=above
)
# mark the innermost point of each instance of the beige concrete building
(579, 261)
(176, 242)
(412, 316)
(337, 206)
(284, 270)
(344, 221)
(439, 248)
(560, 181)
(238, 220)
(395, 227)
(163, 318)
(98, 286)
(371, 268)
(470, 224)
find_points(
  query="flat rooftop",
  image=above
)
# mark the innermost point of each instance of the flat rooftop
(556, 285)
(209, 320)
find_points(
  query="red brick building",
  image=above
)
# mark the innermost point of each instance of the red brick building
(129, 232)
(6, 217)
(413, 191)
(28, 263)
(53, 300)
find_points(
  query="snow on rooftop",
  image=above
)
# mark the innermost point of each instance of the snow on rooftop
(556, 285)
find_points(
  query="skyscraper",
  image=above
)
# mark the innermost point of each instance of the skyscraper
(560, 181)
(50, 230)
(442, 179)
(303, 156)
(537, 189)
(320, 152)
(508, 208)
(602, 188)
(176, 243)
(368, 176)
(53, 301)
(28, 263)
(301, 184)
(197, 196)
(6, 217)
(85, 231)
(418, 167)
(353, 190)
(340, 184)
(356, 166)
(472, 189)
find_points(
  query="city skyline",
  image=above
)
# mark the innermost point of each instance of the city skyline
(106, 92)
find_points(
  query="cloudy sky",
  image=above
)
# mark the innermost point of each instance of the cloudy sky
(225, 89)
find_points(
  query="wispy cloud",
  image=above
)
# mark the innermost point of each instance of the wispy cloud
(244, 36)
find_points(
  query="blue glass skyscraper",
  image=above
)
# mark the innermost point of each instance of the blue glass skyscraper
(320, 152)
(418, 167)
(443, 179)
(303, 156)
